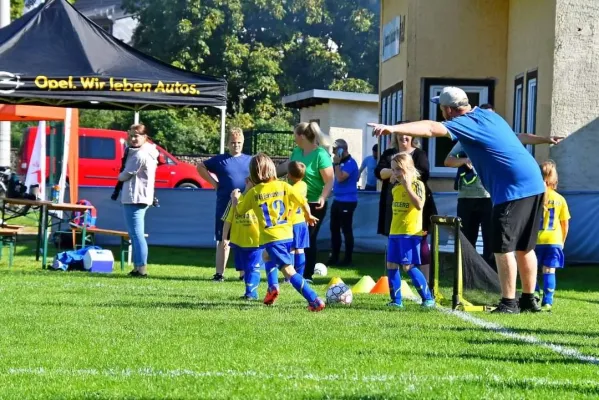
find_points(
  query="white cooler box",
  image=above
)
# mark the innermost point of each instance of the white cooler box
(99, 261)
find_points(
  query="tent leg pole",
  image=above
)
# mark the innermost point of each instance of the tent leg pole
(223, 113)
(136, 118)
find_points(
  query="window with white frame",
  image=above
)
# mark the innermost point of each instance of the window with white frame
(391, 111)
(439, 148)
(518, 104)
(531, 106)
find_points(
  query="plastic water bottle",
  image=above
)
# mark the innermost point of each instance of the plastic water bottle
(55, 193)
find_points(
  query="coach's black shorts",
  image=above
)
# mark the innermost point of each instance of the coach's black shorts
(516, 224)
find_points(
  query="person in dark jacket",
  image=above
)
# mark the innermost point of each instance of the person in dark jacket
(400, 143)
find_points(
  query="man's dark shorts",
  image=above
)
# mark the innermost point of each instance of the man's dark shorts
(516, 224)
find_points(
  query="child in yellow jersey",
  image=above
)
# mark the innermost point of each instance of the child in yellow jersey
(552, 234)
(244, 237)
(301, 237)
(273, 201)
(405, 236)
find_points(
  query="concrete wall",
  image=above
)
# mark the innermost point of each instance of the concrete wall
(531, 42)
(346, 120)
(575, 101)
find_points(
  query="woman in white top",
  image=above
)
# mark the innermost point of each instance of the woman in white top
(139, 176)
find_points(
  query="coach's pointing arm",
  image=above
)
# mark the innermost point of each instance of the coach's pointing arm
(425, 129)
(527, 138)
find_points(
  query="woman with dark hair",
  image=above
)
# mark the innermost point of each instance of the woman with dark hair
(401, 143)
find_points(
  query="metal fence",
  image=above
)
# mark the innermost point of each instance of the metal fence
(273, 143)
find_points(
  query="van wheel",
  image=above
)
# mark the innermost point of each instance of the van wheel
(187, 185)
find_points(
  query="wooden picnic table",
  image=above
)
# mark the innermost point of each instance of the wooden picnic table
(42, 231)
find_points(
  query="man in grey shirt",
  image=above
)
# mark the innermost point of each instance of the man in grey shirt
(474, 202)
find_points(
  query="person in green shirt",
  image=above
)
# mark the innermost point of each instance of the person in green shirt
(319, 178)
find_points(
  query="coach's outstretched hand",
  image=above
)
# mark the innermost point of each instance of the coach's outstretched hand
(380, 129)
(556, 139)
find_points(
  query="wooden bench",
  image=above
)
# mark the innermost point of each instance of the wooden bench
(9, 236)
(92, 232)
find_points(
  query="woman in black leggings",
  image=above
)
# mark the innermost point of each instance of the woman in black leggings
(319, 178)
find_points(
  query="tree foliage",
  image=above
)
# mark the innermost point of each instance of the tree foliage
(266, 49)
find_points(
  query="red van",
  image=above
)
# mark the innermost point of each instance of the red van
(100, 154)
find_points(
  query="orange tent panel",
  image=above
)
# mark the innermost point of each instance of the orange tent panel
(37, 113)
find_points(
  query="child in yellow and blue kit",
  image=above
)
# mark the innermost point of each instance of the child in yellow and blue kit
(272, 201)
(301, 237)
(405, 236)
(552, 234)
(244, 238)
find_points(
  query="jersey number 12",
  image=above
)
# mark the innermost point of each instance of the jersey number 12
(279, 208)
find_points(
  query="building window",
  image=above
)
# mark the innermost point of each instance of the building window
(478, 91)
(530, 119)
(391, 111)
(518, 103)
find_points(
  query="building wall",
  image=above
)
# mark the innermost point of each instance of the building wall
(346, 120)
(456, 39)
(575, 104)
(394, 70)
(319, 112)
(531, 42)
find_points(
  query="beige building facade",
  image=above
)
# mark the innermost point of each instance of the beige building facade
(536, 61)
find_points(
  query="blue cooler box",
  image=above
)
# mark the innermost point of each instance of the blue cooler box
(98, 261)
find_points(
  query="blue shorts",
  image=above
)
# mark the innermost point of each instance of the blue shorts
(549, 255)
(301, 236)
(404, 249)
(247, 259)
(279, 253)
(219, 223)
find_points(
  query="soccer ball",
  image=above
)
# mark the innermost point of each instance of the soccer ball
(320, 269)
(339, 293)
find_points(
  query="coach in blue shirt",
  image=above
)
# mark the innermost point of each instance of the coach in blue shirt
(511, 176)
(345, 201)
(230, 169)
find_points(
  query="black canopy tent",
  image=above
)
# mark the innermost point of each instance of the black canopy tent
(55, 56)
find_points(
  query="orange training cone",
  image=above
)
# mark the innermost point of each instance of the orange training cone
(382, 286)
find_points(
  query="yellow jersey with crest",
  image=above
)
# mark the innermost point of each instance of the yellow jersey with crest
(297, 217)
(554, 213)
(272, 202)
(244, 228)
(407, 219)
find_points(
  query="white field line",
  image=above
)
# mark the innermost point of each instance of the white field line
(530, 339)
(348, 377)
(503, 331)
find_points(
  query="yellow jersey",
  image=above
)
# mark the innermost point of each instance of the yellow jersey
(297, 217)
(555, 212)
(244, 228)
(272, 203)
(407, 219)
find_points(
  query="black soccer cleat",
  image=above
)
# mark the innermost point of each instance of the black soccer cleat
(529, 305)
(505, 309)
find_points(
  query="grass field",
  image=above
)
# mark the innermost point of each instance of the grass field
(178, 336)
